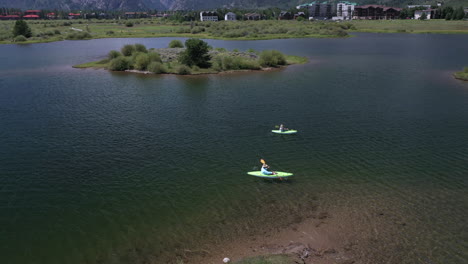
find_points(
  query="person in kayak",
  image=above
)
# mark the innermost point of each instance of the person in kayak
(265, 170)
(282, 128)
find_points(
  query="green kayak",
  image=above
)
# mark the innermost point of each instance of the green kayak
(280, 174)
(284, 132)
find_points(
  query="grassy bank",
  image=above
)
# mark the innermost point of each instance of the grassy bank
(462, 75)
(410, 26)
(56, 30)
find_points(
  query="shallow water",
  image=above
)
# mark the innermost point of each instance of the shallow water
(121, 168)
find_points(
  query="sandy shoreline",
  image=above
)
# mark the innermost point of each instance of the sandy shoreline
(318, 238)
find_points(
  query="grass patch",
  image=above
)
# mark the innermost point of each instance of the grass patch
(291, 59)
(463, 75)
(101, 64)
(272, 259)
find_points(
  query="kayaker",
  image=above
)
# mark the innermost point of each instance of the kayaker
(282, 129)
(265, 170)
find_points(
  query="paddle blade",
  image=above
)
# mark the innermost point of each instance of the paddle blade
(262, 161)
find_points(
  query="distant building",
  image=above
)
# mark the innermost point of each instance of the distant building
(299, 14)
(230, 16)
(414, 6)
(208, 16)
(31, 14)
(136, 14)
(51, 16)
(10, 17)
(430, 13)
(344, 10)
(252, 16)
(284, 15)
(376, 12)
(73, 15)
(320, 11)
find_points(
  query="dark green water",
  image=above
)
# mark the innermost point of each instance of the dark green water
(100, 167)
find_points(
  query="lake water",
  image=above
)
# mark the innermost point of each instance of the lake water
(101, 167)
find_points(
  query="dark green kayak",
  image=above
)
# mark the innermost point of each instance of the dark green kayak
(280, 174)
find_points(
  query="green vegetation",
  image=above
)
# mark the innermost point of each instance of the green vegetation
(271, 259)
(196, 53)
(21, 28)
(176, 44)
(410, 26)
(197, 58)
(78, 35)
(238, 30)
(463, 75)
(272, 58)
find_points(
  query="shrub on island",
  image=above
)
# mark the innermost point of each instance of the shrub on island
(463, 75)
(176, 44)
(141, 61)
(119, 64)
(128, 50)
(196, 53)
(183, 70)
(272, 58)
(157, 67)
(114, 54)
(140, 48)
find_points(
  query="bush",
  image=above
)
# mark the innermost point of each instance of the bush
(154, 56)
(110, 32)
(226, 63)
(176, 44)
(183, 70)
(272, 58)
(157, 67)
(22, 28)
(129, 24)
(141, 61)
(140, 48)
(20, 38)
(119, 64)
(114, 54)
(197, 30)
(78, 35)
(57, 32)
(195, 54)
(128, 50)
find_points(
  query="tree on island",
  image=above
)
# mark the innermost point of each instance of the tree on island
(22, 28)
(196, 54)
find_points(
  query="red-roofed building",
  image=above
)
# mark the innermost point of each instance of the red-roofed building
(73, 16)
(11, 17)
(31, 17)
(376, 12)
(51, 15)
(32, 12)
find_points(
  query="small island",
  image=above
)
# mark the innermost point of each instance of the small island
(197, 57)
(462, 75)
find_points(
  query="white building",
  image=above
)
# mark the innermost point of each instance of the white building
(230, 16)
(344, 10)
(429, 13)
(208, 16)
(414, 6)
